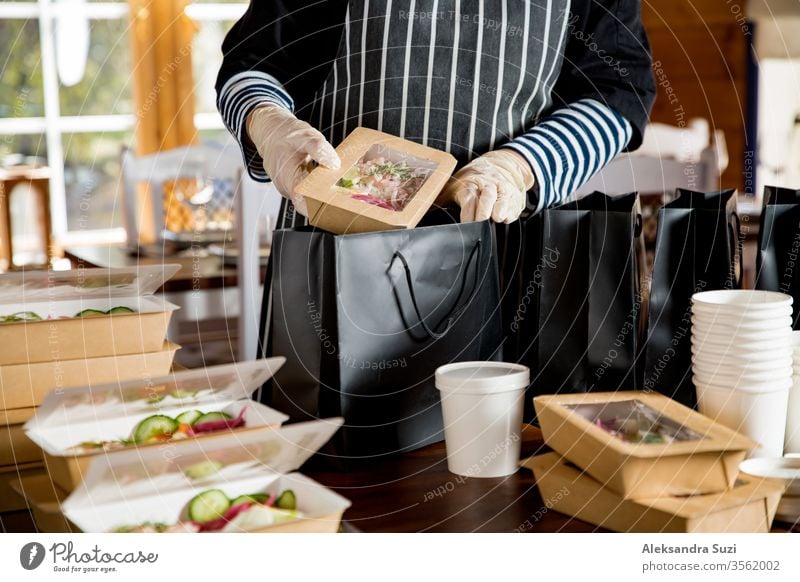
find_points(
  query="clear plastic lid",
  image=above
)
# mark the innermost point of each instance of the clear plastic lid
(207, 463)
(191, 388)
(38, 286)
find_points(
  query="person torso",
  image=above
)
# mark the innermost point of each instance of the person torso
(463, 76)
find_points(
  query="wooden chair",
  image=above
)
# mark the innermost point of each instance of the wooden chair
(162, 170)
(257, 205)
(38, 182)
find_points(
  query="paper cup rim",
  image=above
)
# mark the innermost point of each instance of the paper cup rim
(516, 377)
(739, 323)
(731, 363)
(734, 351)
(787, 384)
(738, 298)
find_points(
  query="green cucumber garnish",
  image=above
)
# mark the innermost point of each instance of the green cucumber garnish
(154, 426)
(89, 313)
(20, 316)
(189, 417)
(253, 498)
(120, 309)
(286, 500)
(183, 394)
(208, 506)
(202, 469)
(213, 417)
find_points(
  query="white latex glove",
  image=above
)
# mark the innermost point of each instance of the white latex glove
(288, 147)
(494, 186)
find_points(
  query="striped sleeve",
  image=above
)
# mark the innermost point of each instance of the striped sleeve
(241, 94)
(570, 146)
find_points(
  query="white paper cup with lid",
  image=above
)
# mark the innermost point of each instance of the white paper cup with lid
(482, 404)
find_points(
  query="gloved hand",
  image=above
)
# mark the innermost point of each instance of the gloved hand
(288, 147)
(494, 186)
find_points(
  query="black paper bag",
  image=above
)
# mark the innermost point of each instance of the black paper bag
(573, 294)
(364, 321)
(778, 259)
(698, 248)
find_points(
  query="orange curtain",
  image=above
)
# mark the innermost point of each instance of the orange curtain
(161, 51)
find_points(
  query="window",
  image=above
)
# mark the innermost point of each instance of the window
(69, 99)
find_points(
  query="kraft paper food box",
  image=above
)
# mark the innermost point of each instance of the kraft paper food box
(84, 313)
(384, 182)
(146, 486)
(110, 412)
(642, 444)
(748, 507)
(25, 385)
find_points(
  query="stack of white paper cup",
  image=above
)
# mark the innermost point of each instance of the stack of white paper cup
(742, 362)
(792, 445)
(482, 404)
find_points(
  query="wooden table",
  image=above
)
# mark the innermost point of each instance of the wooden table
(415, 493)
(202, 272)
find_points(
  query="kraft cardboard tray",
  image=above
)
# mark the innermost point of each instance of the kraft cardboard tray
(334, 209)
(703, 458)
(15, 447)
(748, 507)
(57, 297)
(26, 385)
(44, 499)
(111, 411)
(10, 500)
(134, 487)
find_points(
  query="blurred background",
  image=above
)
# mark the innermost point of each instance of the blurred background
(85, 83)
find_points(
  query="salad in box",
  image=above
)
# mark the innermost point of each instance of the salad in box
(235, 483)
(50, 316)
(384, 182)
(73, 425)
(642, 444)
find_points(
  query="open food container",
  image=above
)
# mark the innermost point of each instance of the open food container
(76, 425)
(642, 444)
(15, 447)
(207, 483)
(64, 315)
(26, 385)
(384, 182)
(748, 507)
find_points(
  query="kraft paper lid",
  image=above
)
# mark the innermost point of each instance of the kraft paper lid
(199, 463)
(39, 286)
(188, 389)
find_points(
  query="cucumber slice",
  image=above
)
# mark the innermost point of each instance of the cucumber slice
(155, 399)
(208, 506)
(286, 500)
(213, 417)
(252, 498)
(189, 417)
(89, 313)
(153, 426)
(21, 316)
(182, 394)
(202, 469)
(120, 309)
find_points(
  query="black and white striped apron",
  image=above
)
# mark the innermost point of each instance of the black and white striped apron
(464, 76)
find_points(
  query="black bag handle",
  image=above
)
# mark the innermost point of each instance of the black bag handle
(735, 231)
(435, 335)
